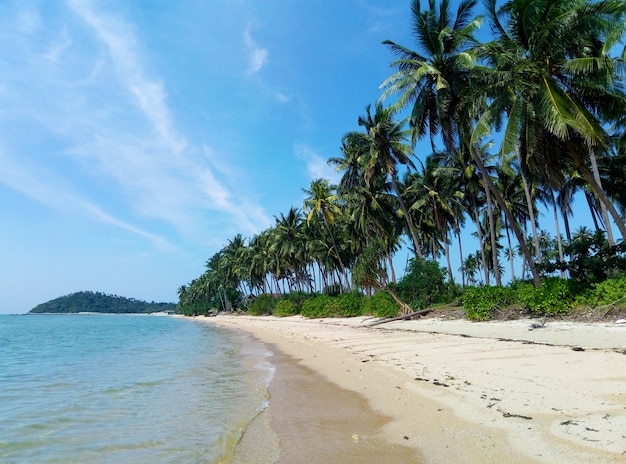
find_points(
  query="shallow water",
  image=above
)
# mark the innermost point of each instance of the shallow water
(110, 389)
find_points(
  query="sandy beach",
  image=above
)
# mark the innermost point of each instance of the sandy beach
(437, 391)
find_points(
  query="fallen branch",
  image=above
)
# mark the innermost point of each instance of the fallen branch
(404, 317)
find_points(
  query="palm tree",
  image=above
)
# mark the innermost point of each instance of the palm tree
(322, 203)
(430, 81)
(549, 73)
(387, 149)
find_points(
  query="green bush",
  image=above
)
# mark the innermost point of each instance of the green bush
(553, 298)
(284, 308)
(316, 307)
(262, 305)
(380, 304)
(609, 292)
(297, 298)
(480, 302)
(346, 305)
(423, 284)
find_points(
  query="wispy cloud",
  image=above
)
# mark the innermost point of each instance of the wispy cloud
(317, 166)
(257, 55)
(108, 114)
(55, 193)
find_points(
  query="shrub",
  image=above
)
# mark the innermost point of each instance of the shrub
(297, 298)
(609, 292)
(380, 304)
(285, 307)
(554, 297)
(423, 284)
(346, 305)
(480, 302)
(316, 307)
(263, 304)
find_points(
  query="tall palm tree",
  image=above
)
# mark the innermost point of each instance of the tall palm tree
(322, 204)
(551, 84)
(430, 80)
(387, 141)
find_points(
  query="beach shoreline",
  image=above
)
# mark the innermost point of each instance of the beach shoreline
(456, 391)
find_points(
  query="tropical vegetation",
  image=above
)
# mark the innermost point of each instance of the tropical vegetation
(98, 302)
(524, 107)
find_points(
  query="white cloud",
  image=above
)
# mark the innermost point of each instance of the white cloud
(257, 55)
(96, 108)
(47, 188)
(317, 166)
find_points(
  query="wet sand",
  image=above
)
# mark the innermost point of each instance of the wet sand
(432, 391)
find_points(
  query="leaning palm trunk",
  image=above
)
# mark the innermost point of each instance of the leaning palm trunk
(407, 218)
(458, 236)
(597, 189)
(603, 212)
(531, 214)
(511, 219)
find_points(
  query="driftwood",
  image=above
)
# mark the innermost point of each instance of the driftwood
(401, 318)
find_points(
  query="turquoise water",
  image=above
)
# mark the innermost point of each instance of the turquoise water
(125, 389)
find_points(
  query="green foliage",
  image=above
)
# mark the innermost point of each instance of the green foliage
(591, 259)
(333, 290)
(423, 283)
(609, 292)
(96, 302)
(262, 305)
(285, 307)
(316, 307)
(553, 298)
(347, 305)
(480, 302)
(297, 298)
(368, 272)
(381, 304)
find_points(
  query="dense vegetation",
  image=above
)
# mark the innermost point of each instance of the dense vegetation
(548, 85)
(96, 302)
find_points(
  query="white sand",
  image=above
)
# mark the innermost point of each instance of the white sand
(473, 392)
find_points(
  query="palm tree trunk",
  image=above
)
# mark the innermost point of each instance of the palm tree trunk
(511, 219)
(492, 233)
(458, 235)
(531, 214)
(409, 222)
(597, 189)
(481, 245)
(603, 212)
(557, 230)
(510, 253)
(336, 250)
(447, 253)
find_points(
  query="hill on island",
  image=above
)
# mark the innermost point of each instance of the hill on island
(96, 302)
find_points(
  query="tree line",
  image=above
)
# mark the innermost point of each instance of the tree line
(532, 117)
(97, 302)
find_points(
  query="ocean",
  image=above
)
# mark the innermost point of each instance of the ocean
(127, 389)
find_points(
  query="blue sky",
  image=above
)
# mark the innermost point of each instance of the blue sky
(137, 137)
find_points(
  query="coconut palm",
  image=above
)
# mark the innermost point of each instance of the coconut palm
(431, 79)
(322, 204)
(388, 148)
(552, 85)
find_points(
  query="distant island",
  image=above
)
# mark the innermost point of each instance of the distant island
(97, 302)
